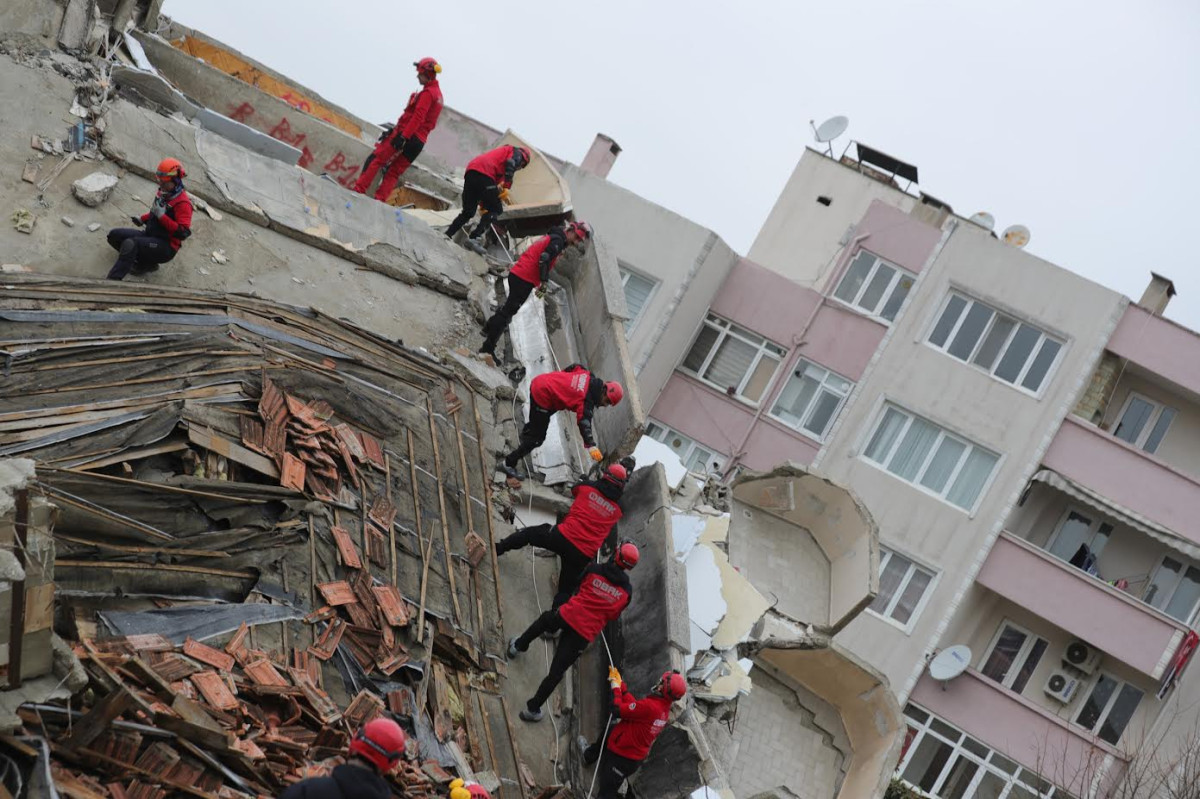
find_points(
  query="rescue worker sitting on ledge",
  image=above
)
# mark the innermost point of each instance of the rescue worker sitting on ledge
(167, 224)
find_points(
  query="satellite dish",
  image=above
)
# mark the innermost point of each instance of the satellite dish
(950, 663)
(984, 220)
(1016, 235)
(831, 128)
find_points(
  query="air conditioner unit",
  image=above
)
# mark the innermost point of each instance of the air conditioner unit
(1084, 657)
(1061, 686)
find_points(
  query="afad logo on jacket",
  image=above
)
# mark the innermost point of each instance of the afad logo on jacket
(604, 587)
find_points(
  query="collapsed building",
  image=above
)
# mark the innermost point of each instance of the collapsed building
(266, 474)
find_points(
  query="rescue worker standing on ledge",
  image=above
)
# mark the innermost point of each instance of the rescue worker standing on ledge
(578, 537)
(486, 176)
(529, 273)
(400, 146)
(167, 224)
(640, 723)
(572, 389)
(603, 593)
(375, 750)
(468, 790)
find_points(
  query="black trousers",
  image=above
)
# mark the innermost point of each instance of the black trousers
(572, 562)
(136, 251)
(614, 770)
(532, 434)
(478, 189)
(518, 291)
(570, 646)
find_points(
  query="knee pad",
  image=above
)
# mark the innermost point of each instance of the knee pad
(128, 247)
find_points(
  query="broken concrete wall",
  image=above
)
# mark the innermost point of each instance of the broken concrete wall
(597, 303)
(30, 18)
(28, 568)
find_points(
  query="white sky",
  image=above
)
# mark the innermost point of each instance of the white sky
(1080, 120)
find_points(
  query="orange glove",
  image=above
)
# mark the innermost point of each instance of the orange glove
(504, 197)
(596, 454)
(614, 677)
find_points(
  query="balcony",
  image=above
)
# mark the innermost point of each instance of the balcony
(1128, 479)
(1021, 730)
(1118, 624)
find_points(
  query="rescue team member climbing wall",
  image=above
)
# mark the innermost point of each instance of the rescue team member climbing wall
(486, 175)
(167, 224)
(572, 389)
(577, 538)
(400, 146)
(374, 751)
(531, 272)
(603, 594)
(640, 722)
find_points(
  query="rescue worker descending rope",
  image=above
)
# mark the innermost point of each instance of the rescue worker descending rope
(572, 389)
(167, 224)
(530, 273)
(486, 176)
(400, 146)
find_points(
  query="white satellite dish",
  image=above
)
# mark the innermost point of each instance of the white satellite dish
(950, 663)
(1016, 235)
(984, 220)
(829, 130)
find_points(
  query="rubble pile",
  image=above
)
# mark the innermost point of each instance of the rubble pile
(272, 527)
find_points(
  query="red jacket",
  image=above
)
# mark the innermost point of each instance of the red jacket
(642, 720)
(421, 114)
(535, 263)
(603, 593)
(589, 520)
(572, 389)
(176, 224)
(494, 164)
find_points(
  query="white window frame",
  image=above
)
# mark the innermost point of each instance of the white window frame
(914, 566)
(1022, 656)
(874, 313)
(665, 432)
(807, 365)
(627, 271)
(958, 748)
(943, 433)
(725, 328)
(1148, 428)
(1112, 700)
(1169, 594)
(996, 314)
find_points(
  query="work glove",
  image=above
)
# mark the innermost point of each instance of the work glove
(136, 220)
(596, 454)
(614, 677)
(158, 209)
(504, 198)
(399, 142)
(540, 293)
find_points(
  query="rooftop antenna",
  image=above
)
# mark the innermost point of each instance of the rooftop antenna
(1016, 235)
(829, 130)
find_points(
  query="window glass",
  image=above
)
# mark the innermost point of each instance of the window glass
(1041, 364)
(899, 293)
(913, 449)
(907, 605)
(796, 396)
(852, 281)
(947, 456)
(890, 577)
(822, 414)
(1018, 352)
(989, 350)
(1074, 532)
(1158, 592)
(959, 779)
(926, 763)
(991, 786)
(704, 342)
(1093, 706)
(885, 435)
(1120, 713)
(969, 483)
(730, 364)
(1031, 663)
(1187, 593)
(1133, 420)
(760, 378)
(879, 283)
(946, 322)
(1004, 653)
(970, 331)
(1160, 429)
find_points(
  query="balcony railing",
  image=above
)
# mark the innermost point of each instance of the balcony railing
(1116, 623)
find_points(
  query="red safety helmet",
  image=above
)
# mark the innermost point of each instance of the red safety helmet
(524, 151)
(170, 168)
(672, 686)
(581, 229)
(428, 65)
(381, 742)
(614, 392)
(627, 555)
(616, 474)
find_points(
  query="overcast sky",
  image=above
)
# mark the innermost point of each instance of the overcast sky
(1079, 120)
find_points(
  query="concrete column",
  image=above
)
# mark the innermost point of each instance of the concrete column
(1157, 294)
(601, 156)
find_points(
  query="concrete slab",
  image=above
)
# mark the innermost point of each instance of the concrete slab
(154, 88)
(246, 136)
(490, 377)
(77, 23)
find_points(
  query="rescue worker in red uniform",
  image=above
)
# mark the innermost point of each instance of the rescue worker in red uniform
(167, 224)
(466, 789)
(530, 273)
(578, 537)
(400, 146)
(602, 595)
(374, 751)
(486, 175)
(572, 389)
(640, 722)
